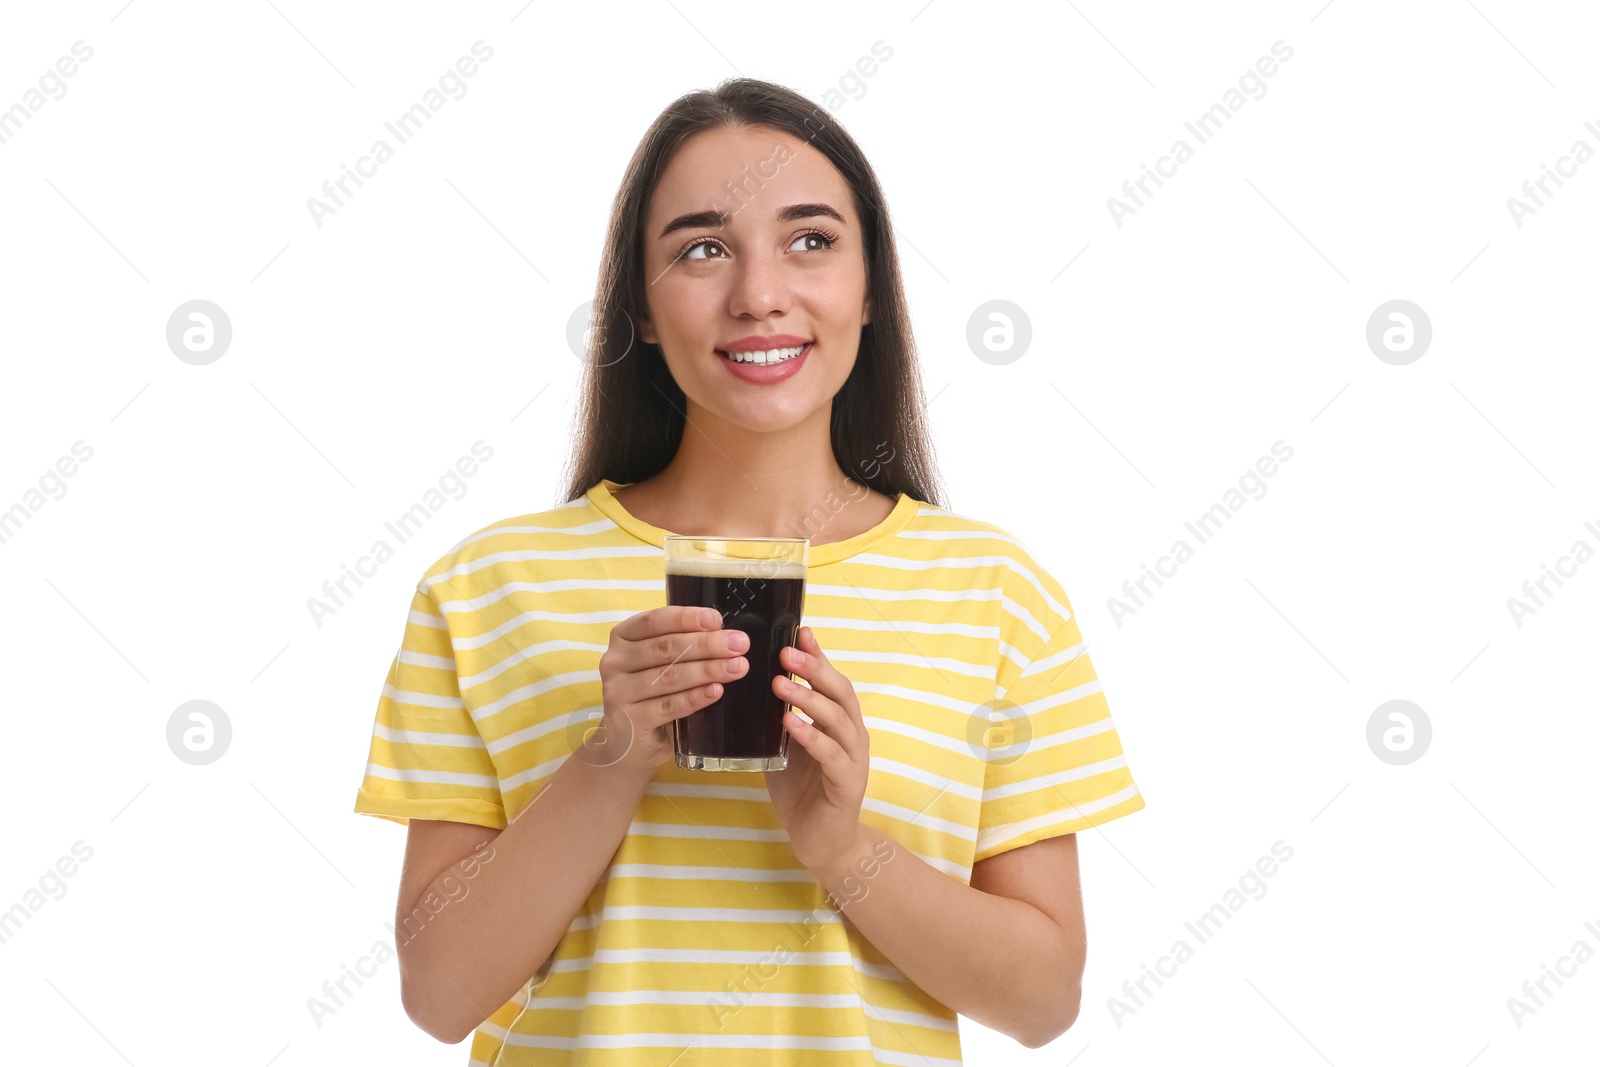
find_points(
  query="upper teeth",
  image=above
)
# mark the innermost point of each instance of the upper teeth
(772, 355)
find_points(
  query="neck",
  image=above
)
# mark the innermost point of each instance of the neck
(728, 480)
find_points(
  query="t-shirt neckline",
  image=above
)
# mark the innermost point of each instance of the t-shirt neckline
(905, 509)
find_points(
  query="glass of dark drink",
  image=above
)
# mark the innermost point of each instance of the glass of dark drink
(758, 585)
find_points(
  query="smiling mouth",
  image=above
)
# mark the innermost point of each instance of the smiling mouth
(767, 358)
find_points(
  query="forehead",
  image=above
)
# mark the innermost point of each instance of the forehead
(749, 170)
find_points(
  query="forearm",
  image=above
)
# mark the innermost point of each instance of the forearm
(476, 952)
(999, 961)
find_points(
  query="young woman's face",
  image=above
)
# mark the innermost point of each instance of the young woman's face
(785, 264)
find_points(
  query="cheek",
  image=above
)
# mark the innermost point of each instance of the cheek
(836, 309)
(681, 312)
(835, 300)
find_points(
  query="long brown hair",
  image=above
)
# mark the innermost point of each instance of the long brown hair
(630, 416)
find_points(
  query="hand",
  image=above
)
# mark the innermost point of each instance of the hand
(660, 665)
(818, 797)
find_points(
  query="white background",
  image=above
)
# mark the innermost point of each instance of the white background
(430, 312)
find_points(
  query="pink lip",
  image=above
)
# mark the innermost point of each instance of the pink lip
(764, 342)
(759, 374)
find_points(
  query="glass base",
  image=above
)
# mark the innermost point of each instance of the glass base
(733, 763)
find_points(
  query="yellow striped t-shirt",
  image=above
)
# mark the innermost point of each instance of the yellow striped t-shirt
(988, 731)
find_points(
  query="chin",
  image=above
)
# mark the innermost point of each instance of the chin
(769, 418)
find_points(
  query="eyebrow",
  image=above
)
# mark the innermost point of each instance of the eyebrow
(716, 220)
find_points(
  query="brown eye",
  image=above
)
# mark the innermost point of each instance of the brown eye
(688, 253)
(825, 241)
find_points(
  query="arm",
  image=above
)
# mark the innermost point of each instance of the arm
(1007, 951)
(495, 914)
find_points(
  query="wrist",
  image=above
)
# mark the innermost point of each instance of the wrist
(613, 775)
(833, 871)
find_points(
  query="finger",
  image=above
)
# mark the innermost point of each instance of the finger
(674, 618)
(687, 673)
(655, 637)
(822, 748)
(661, 710)
(653, 653)
(811, 663)
(846, 697)
(827, 716)
(815, 704)
(819, 677)
(805, 659)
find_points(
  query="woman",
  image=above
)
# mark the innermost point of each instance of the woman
(568, 891)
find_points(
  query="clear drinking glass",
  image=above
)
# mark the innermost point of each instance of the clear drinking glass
(757, 585)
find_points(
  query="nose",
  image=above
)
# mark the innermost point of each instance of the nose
(760, 287)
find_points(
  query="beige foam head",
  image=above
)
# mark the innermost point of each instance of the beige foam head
(738, 568)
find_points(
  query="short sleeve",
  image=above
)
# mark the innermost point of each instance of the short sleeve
(428, 760)
(1055, 764)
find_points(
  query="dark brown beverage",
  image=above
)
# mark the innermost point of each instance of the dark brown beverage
(765, 599)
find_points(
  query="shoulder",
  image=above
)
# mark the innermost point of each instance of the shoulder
(517, 539)
(956, 534)
(1005, 559)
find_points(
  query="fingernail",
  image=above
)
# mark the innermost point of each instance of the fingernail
(709, 617)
